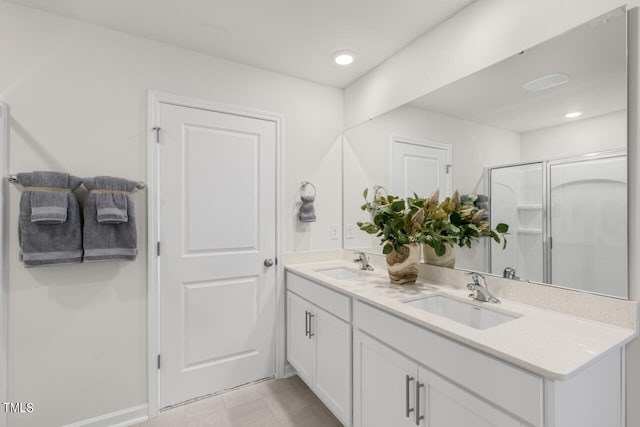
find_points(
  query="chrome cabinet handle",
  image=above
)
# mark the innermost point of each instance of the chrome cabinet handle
(311, 316)
(306, 323)
(408, 410)
(419, 417)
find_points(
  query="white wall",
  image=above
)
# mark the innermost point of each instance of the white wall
(601, 133)
(77, 334)
(367, 159)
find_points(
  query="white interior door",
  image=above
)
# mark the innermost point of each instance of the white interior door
(217, 226)
(420, 167)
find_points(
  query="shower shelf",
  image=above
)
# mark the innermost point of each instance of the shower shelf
(529, 231)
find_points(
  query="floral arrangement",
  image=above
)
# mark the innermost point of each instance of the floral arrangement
(400, 222)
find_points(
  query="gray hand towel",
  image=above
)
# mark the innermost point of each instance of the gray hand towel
(44, 242)
(307, 210)
(111, 206)
(105, 236)
(47, 207)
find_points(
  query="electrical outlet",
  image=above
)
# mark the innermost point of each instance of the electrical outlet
(333, 233)
(348, 232)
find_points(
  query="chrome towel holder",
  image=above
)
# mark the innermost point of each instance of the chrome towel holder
(13, 179)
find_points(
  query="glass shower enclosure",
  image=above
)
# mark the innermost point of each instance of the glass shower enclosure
(568, 222)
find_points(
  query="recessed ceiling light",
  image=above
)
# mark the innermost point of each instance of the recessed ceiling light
(546, 82)
(344, 57)
(573, 115)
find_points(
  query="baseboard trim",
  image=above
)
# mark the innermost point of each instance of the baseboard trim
(289, 371)
(120, 418)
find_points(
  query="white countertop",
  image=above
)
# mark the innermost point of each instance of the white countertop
(545, 342)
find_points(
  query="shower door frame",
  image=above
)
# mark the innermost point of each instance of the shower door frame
(546, 212)
(545, 235)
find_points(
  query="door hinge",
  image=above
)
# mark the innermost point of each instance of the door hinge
(158, 248)
(158, 362)
(448, 169)
(157, 129)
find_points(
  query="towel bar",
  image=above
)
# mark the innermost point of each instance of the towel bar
(14, 180)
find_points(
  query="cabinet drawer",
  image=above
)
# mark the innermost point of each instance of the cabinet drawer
(504, 385)
(335, 303)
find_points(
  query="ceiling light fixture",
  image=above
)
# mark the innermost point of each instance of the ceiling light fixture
(344, 57)
(573, 115)
(546, 82)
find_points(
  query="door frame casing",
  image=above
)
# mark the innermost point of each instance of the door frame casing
(155, 100)
(4, 274)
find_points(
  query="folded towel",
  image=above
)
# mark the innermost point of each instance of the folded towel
(47, 206)
(49, 228)
(307, 210)
(109, 220)
(111, 198)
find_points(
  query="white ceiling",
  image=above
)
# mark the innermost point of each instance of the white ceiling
(594, 56)
(294, 37)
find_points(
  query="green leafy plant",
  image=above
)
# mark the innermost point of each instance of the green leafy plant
(458, 223)
(396, 221)
(399, 222)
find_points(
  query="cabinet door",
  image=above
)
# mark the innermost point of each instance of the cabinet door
(299, 344)
(444, 404)
(384, 385)
(333, 363)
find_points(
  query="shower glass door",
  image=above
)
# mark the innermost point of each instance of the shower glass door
(517, 199)
(588, 224)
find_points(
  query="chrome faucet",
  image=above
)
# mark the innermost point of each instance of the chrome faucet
(509, 273)
(479, 289)
(362, 260)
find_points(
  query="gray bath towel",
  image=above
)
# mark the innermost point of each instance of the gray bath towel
(109, 220)
(481, 202)
(307, 210)
(46, 235)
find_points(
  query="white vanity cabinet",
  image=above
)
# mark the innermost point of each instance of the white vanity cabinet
(319, 342)
(393, 390)
(403, 373)
(406, 375)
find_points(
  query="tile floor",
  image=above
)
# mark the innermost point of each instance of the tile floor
(285, 402)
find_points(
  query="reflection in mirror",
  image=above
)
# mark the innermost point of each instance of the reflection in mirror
(507, 132)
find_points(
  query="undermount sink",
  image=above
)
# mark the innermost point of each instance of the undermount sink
(341, 273)
(462, 312)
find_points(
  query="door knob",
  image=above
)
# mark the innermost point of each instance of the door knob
(268, 262)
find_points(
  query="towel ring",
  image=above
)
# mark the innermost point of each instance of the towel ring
(377, 189)
(303, 186)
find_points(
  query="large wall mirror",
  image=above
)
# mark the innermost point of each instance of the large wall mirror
(542, 134)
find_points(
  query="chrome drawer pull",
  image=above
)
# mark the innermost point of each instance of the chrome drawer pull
(419, 417)
(408, 410)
